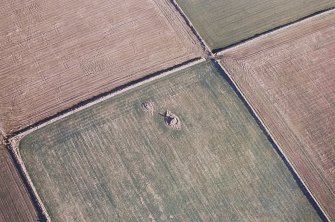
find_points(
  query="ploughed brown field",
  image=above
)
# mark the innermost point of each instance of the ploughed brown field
(55, 54)
(289, 78)
(15, 203)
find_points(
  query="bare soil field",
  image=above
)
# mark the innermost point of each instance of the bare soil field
(225, 22)
(288, 77)
(180, 148)
(55, 54)
(15, 203)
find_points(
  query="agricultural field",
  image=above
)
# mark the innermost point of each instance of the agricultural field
(182, 148)
(288, 77)
(15, 203)
(55, 54)
(226, 22)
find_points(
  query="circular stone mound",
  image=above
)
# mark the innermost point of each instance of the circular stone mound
(172, 120)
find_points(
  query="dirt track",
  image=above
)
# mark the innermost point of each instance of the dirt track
(288, 77)
(15, 203)
(55, 54)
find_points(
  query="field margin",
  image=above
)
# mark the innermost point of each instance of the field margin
(101, 97)
(12, 148)
(188, 22)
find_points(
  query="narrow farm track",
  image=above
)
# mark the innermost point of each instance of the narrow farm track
(17, 135)
(15, 202)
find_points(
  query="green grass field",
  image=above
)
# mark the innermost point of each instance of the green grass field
(115, 161)
(225, 22)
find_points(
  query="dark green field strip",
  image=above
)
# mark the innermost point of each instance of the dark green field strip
(15, 202)
(226, 22)
(115, 161)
